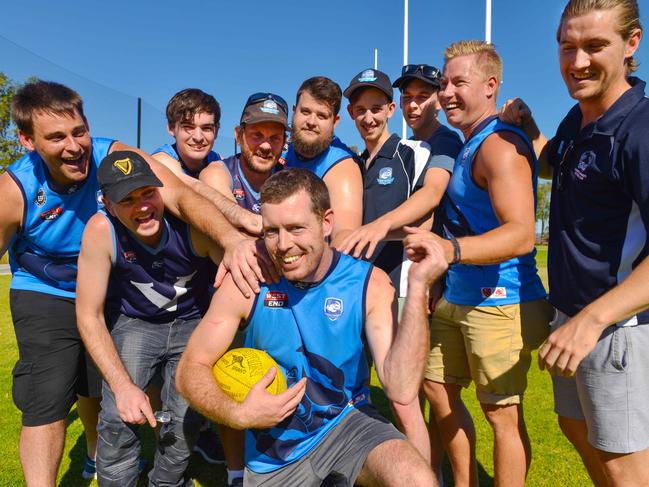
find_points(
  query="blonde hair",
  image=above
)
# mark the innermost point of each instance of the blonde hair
(488, 62)
(628, 19)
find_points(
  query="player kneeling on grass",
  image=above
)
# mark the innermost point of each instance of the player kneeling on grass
(312, 323)
(156, 272)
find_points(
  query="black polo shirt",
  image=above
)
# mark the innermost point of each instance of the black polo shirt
(397, 171)
(599, 210)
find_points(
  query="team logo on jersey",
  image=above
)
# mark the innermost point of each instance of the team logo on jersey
(494, 292)
(238, 193)
(40, 198)
(158, 264)
(99, 197)
(269, 106)
(256, 208)
(586, 160)
(129, 256)
(465, 155)
(333, 308)
(385, 176)
(52, 214)
(367, 76)
(276, 299)
(124, 165)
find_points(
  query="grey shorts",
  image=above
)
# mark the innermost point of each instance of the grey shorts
(339, 457)
(610, 390)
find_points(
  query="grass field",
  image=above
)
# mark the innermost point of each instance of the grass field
(554, 463)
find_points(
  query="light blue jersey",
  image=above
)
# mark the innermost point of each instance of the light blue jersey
(468, 211)
(313, 332)
(43, 254)
(172, 152)
(322, 163)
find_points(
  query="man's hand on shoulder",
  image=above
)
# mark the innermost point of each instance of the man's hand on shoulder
(249, 264)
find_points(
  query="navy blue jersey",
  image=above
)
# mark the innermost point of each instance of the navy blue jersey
(313, 332)
(159, 284)
(243, 193)
(322, 163)
(172, 151)
(599, 211)
(43, 254)
(467, 210)
(395, 173)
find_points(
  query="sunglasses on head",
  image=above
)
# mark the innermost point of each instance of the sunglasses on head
(257, 97)
(424, 69)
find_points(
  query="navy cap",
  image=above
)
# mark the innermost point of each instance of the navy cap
(373, 78)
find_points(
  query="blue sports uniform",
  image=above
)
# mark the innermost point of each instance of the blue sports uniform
(243, 193)
(314, 332)
(43, 254)
(172, 151)
(322, 163)
(160, 284)
(467, 210)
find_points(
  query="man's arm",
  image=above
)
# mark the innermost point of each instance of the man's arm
(345, 185)
(173, 165)
(516, 112)
(217, 177)
(240, 252)
(209, 341)
(399, 352)
(11, 211)
(389, 226)
(92, 282)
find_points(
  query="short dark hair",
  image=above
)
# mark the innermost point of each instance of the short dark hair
(186, 103)
(43, 96)
(324, 90)
(287, 182)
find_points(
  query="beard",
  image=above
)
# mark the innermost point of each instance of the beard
(310, 149)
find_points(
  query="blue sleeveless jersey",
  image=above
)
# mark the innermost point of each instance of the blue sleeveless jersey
(159, 284)
(321, 164)
(513, 281)
(314, 333)
(243, 193)
(43, 254)
(171, 151)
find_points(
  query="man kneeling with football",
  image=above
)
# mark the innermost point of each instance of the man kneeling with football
(153, 271)
(312, 323)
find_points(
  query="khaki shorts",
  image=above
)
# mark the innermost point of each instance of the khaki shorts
(490, 345)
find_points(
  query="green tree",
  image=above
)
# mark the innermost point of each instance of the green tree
(10, 148)
(543, 205)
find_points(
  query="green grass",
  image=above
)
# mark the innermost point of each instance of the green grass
(554, 463)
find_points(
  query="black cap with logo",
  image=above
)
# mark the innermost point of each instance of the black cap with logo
(373, 78)
(122, 172)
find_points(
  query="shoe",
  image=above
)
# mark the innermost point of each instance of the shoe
(209, 447)
(89, 469)
(238, 482)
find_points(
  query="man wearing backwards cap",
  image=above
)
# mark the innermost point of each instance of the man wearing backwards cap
(158, 270)
(400, 189)
(261, 134)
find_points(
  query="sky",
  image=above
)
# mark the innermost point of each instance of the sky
(113, 52)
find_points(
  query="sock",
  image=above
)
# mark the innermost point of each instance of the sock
(234, 474)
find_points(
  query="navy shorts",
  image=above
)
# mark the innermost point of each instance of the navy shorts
(53, 365)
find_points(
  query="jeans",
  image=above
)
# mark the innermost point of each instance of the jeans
(146, 348)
